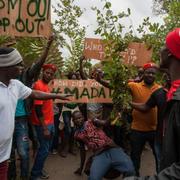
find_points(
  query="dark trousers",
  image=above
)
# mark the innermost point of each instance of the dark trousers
(3, 170)
(138, 140)
(55, 142)
(42, 152)
(118, 135)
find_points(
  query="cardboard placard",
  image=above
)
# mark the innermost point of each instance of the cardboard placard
(93, 49)
(25, 18)
(137, 54)
(84, 91)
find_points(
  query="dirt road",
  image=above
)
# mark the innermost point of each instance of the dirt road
(62, 168)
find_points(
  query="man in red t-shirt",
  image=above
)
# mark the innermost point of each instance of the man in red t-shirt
(42, 119)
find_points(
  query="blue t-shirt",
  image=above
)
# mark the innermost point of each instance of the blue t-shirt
(20, 109)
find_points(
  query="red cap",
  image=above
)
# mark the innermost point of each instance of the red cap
(173, 42)
(49, 66)
(149, 65)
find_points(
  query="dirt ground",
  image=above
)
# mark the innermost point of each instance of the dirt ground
(62, 168)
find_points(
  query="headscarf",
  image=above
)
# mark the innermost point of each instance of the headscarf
(49, 66)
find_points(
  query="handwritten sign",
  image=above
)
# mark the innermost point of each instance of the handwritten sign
(25, 17)
(137, 54)
(83, 91)
(93, 48)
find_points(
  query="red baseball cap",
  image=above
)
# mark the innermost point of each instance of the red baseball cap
(173, 42)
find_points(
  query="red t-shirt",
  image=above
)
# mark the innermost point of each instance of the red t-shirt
(47, 105)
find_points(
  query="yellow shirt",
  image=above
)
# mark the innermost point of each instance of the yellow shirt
(143, 121)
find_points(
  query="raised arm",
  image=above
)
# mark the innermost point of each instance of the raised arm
(105, 83)
(35, 69)
(83, 76)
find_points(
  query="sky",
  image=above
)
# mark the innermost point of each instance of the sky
(139, 10)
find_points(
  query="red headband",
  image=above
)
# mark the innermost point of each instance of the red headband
(49, 66)
(173, 42)
(149, 65)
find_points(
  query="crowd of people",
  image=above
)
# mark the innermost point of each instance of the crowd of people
(31, 120)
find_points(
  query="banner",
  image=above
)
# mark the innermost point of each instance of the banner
(93, 49)
(83, 91)
(25, 18)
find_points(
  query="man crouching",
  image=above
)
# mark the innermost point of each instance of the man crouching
(107, 155)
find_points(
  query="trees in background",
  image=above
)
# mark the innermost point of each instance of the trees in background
(70, 39)
(154, 33)
(32, 48)
(70, 33)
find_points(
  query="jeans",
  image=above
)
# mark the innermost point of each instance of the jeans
(138, 140)
(112, 158)
(55, 141)
(67, 124)
(42, 152)
(21, 142)
(158, 151)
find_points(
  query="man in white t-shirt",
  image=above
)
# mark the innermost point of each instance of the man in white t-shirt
(11, 65)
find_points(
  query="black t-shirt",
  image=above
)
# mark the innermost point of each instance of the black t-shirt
(158, 98)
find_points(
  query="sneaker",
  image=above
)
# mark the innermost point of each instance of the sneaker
(54, 152)
(44, 175)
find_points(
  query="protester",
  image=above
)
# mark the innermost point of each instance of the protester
(157, 98)
(43, 121)
(170, 57)
(66, 124)
(11, 90)
(120, 126)
(106, 154)
(143, 125)
(21, 136)
(170, 161)
(94, 110)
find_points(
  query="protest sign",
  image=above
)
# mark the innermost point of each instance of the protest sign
(137, 54)
(83, 91)
(25, 18)
(93, 49)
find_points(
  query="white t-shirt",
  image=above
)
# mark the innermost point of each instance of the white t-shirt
(9, 96)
